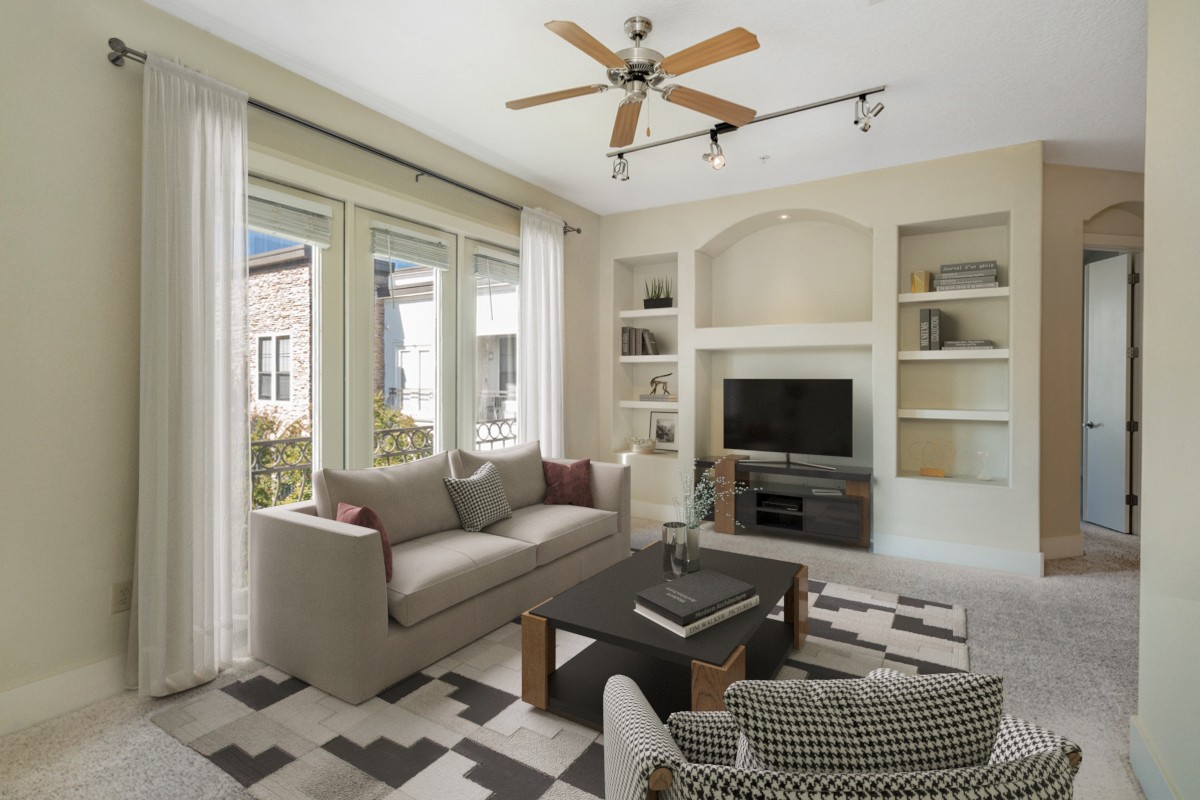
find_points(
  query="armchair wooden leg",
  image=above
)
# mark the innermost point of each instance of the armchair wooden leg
(660, 780)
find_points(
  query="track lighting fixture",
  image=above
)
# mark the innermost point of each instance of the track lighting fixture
(715, 156)
(863, 115)
(620, 169)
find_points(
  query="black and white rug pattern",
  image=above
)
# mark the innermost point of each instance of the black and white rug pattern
(459, 729)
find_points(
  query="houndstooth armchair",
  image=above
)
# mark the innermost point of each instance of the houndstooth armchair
(705, 756)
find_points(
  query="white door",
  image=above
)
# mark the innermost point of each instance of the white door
(1106, 322)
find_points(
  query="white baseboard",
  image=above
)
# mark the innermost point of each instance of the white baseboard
(655, 511)
(1145, 766)
(60, 694)
(1070, 546)
(965, 555)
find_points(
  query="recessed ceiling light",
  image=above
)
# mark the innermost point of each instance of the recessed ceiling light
(785, 216)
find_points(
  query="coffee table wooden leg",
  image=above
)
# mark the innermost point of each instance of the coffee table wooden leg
(537, 659)
(710, 681)
(795, 606)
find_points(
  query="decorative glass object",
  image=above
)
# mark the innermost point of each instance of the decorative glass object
(675, 549)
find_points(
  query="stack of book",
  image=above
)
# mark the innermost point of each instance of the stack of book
(695, 601)
(969, 344)
(969, 275)
(638, 342)
(657, 398)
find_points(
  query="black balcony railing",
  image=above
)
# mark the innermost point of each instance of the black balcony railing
(281, 469)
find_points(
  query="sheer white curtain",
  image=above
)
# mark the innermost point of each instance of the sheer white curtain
(540, 333)
(189, 615)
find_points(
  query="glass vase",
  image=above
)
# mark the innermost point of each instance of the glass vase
(674, 549)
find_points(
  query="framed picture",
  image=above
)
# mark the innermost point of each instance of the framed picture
(662, 429)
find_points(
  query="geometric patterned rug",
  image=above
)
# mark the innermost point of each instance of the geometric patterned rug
(459, 730)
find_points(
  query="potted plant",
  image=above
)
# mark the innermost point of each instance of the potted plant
(658, 293)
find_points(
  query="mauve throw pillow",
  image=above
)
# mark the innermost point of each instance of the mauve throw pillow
(364, 517)
(568, 484)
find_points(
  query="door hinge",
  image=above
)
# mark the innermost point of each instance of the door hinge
(1134, 278)
(1131, 499)
(1132, 426)
(1134, 352)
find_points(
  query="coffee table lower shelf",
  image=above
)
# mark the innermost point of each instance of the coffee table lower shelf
(576, 689)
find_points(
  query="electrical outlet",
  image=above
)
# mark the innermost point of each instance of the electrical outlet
(122, 596)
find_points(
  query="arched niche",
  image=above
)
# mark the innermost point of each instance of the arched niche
(1119, 219)
(790, 266)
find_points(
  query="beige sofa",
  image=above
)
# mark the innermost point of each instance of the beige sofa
(321, 610)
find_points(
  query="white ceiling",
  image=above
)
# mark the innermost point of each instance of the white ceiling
(962, 75)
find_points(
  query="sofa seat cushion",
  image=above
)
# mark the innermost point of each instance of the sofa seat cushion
(410, 498)
(440, 570)
(556, 530)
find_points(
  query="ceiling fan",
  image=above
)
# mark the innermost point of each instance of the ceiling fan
(639, 69)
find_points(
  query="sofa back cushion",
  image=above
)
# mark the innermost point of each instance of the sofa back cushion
(924, 722)
(410, 498)
(520, 470)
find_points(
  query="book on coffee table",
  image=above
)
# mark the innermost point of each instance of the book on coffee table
(701, 623)
(695, 595)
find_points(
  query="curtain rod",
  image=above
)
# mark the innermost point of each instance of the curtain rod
(119, 52)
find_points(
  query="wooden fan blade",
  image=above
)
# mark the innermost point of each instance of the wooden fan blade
(550, 97)
(727, 45)
(625, 126)
(707, 104)
(587, 43)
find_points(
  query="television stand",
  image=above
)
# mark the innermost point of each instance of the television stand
(792, 509)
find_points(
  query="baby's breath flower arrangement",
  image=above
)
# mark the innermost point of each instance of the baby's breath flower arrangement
(701, 494)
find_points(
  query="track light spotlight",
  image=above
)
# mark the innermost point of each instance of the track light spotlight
(620, 169)
(715, 156)
(863, 115)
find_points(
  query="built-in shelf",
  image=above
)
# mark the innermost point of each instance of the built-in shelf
(656, 405)
(954, 294)
(626, 454)
(802, 335)
(953, 355)
(952, 414)
(999, 483)
(643, 313)
(670, 358)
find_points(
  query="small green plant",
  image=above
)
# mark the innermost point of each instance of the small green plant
(658, 288)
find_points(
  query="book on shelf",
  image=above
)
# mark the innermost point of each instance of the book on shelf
(938, 287)
(967, 279)
(635, 341)
(649, 344)
(924, 328)
(935, 329)
(656, 398)
(969, 344)
(968, 266)
(919, 281)
(625, 350)
(698, 625)
(695, 595)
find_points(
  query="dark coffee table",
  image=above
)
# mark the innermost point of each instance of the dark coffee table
(675, 673)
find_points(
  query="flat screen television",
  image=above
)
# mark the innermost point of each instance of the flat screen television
(808, 416)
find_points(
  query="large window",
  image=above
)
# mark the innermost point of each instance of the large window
(496, 283)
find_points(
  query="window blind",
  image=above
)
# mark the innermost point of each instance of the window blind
(498, 269)
(389, 243)
(283, 215)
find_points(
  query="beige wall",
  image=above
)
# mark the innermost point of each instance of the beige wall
(1168, 721)
(1071, 197)
(70, 179)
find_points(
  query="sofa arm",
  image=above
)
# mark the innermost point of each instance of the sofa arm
(705, 737)
(639, 754)
(318, 598)
(1018, 738)
(611, 491)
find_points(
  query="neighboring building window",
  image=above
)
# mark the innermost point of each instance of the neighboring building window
(275, 368)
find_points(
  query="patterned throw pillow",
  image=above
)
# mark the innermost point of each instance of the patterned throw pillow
(911, 723)
(366, 518)
(568, 484)
(479, 499)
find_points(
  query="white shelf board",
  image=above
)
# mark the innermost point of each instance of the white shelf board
(999, 482)
(656, 405)
(658, 454)
(801, 335)
(954, 294)
(670, 358)
(952, 414)
(642, 313)
(953, 355)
